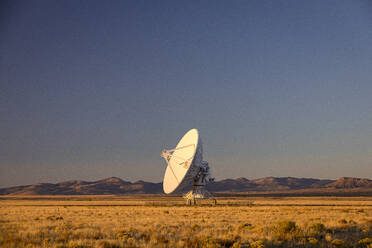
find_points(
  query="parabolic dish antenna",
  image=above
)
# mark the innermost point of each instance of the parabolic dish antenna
(185, 166)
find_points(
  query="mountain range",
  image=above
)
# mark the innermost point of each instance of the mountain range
(114, 185)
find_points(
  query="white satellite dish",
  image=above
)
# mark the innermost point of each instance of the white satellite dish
(186, 167)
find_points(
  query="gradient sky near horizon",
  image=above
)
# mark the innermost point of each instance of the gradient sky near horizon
(93, 89)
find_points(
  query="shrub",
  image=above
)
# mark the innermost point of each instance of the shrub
(209, 242)
(236, 245)
(108, 244)
(126, 234)
(60, 246)
(316, 229)
(366, 242)
(240, 245)
(338, 243)
(224, 242)
(342, 222)
(328, 237)
(352, 222)
(285, 227)
(245, 226)
(258, 244)
(159, 239)
(77, 244)
(312, 240)
(195, 227)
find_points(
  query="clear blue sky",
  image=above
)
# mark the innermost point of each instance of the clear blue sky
(93, 89)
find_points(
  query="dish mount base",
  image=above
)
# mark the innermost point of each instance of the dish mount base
(198, 193)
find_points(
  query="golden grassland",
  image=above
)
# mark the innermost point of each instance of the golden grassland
(158, 221)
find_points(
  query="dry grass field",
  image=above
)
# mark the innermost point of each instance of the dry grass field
(156, 221)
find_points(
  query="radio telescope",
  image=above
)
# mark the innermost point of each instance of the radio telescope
(185, 166)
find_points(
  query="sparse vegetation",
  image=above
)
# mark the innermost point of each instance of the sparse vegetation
(105, 222)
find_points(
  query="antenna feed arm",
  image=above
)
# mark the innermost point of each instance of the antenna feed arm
(166, 155)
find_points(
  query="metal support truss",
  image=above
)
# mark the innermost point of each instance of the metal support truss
(198, 192)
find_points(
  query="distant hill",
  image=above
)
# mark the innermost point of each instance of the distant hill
(108, 186)
(350, 182)
(268, 184)
(114, 185)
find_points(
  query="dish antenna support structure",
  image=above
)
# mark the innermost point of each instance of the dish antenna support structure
(185, 166)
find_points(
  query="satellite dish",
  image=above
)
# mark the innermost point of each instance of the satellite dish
(185, 166)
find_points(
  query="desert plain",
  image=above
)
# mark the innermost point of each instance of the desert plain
(162, 221)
